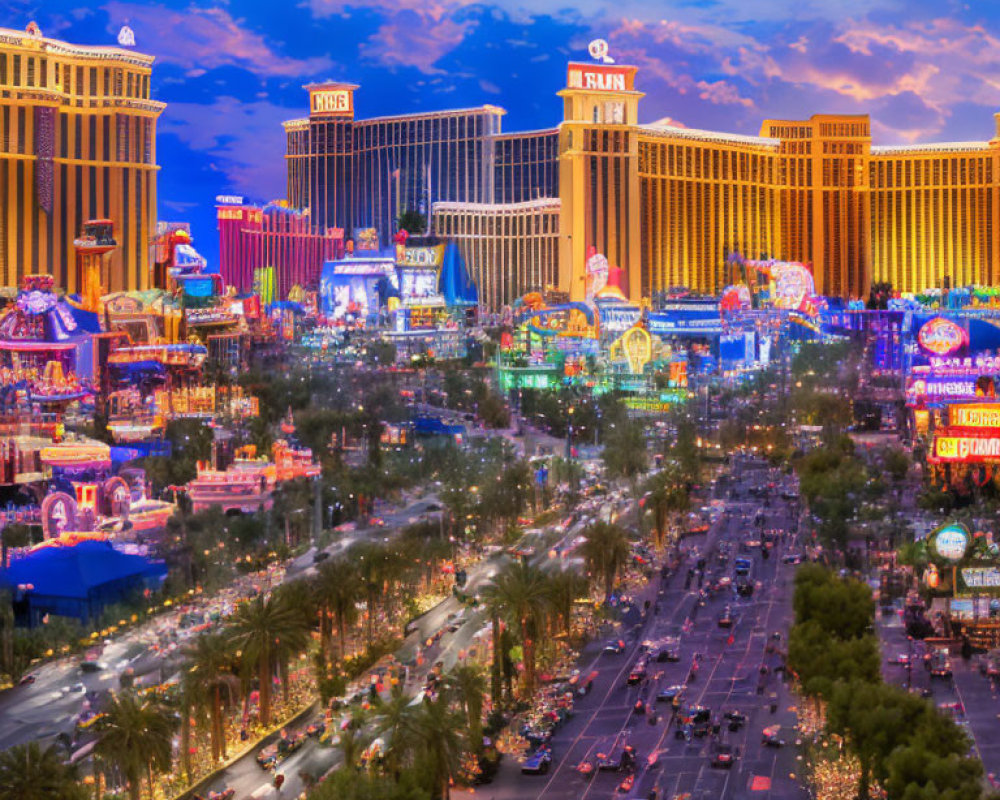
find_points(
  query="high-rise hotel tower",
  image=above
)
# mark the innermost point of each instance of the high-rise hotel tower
(77, 142)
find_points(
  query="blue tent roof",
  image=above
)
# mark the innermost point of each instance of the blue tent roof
(455, 283)
(75, 571)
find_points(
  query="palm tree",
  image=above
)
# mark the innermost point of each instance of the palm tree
(372, 561)
(210, 679)
(441, 744)
(338, 591)
(135, 736)
(16, 534)
(294, 640)
(605, 551)
(27, 772)
(520, 592)
(395, 723)
(467, 684)
(352, 742)
(258, 631)
(565, 587)
(667, 495)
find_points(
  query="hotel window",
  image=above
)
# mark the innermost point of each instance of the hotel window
(3, 68)
(17, 71)
(43, 72)
(93, 81)
(31, 71)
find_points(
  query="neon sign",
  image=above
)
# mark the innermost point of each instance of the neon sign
(330, 101)
(942, 336)
(974, 415)
(966, 448)
(601, 77)
(951, 542)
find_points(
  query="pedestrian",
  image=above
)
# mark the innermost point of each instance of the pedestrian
(279, 781)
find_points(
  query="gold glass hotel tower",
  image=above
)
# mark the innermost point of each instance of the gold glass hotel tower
(668, 204)
(77, 142)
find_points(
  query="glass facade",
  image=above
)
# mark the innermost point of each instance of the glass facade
(77, 142)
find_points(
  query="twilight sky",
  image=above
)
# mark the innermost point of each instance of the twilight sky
(230, 72)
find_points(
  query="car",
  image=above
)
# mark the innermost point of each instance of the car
(537, 763)
(615, 647)
(723, 756)
(670, 693)
(91, 666)
(792, 558)
(27, 680)
(637, 673)
(617, 760)
(627, 783)
(669, 654)
(771, 736)
(77, 688)
(736, 719)
(726, 618)
(322, 555)
(902, 659)
(273, 754)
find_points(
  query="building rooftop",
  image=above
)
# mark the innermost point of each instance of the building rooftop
(449, 112)
(539, 204)
(709, 136)
(9, 36)
(928, 147)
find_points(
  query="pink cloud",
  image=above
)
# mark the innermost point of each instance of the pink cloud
(206, 38)
(415, 38)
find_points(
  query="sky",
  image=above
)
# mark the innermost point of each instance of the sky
(231, 72)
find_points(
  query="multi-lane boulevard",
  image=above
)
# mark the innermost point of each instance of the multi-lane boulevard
(729, 678)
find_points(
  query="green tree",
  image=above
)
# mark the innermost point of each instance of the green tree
(135, 736)
(349, 784)
(442, 744)
(211, 680)
(258, 630)
(520, 593)
(666, 497)
(467, 685)
(565, 588)
(625, 455)
(27, 772)
(338, 591)
(15, 534)
(605, 551)
(412, 221)
(842, 608)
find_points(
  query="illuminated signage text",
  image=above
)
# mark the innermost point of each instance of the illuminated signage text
(330, 101)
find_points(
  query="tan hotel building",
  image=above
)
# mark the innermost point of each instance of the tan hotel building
(77, 142)
(668, 204)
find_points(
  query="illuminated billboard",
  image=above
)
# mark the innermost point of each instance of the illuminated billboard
(951, 447)
(974, 415)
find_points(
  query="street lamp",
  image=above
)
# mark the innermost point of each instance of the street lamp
(569, 434)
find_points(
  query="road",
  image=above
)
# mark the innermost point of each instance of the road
(471, 629)
(976, 694)
(727, 680)
(47, 710)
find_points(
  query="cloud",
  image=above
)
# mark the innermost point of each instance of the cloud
(416, 38)
(244, 140)
(207, 38)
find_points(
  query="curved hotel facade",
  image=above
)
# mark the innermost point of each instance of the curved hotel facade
(665, 203)
(77, 142)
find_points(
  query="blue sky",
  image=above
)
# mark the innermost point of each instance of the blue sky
(230, 72)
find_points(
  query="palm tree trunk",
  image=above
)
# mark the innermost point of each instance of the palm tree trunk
(149, 778)
(218, 734)
(529, 658)
(283, 669)
(186, 741)
(264, 670)
(495, 687)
